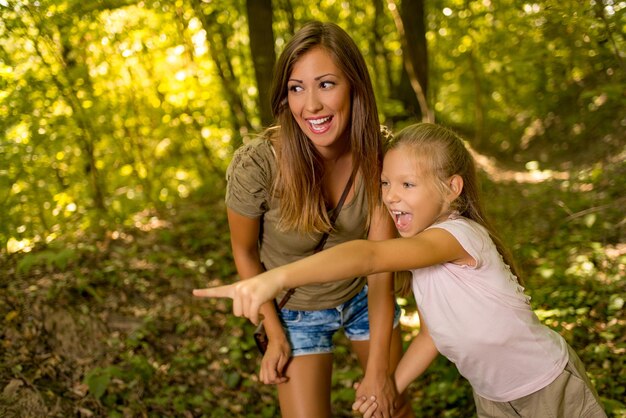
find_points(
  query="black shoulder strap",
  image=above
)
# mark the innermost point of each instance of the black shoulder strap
(333, 217)
(335, 214)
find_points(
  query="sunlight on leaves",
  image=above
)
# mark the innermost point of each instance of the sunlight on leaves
(23, 245)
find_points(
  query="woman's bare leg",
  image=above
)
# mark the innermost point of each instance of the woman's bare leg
(307, 393)
(361, 348)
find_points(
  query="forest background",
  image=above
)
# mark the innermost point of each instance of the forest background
(119, 117)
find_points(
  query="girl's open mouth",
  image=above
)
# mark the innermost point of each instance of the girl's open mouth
(401, 219)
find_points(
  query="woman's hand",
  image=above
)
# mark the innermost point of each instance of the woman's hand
(275, 361)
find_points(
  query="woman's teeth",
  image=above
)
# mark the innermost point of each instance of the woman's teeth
(319, 121)
(319, 125)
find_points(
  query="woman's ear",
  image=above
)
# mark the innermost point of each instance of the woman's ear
(456, 186)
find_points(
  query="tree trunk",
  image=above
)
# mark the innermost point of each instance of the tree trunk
(410, 25)
(262, 50)
(412, 14)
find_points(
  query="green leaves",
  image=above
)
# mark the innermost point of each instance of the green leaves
(52, 259)
(98, 380)
(116, 130)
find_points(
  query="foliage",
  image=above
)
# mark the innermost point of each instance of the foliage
(96, 126)
(118, 121)
(530, 76)
(115, 106)
(109, 327)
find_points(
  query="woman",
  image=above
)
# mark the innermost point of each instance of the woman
(280, 191)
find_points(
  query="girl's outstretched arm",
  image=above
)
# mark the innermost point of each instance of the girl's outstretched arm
(350, 259)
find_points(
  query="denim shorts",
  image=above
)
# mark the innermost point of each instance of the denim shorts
(311, 332)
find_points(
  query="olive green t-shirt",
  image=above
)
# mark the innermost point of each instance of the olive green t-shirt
(249, 192)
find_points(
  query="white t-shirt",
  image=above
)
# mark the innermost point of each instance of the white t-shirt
(481, 320)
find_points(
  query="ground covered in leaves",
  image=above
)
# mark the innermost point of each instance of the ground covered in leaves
(105, 325)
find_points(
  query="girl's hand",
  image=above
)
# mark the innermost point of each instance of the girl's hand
(381, 390)
(275, 362)
(366, 406)
(247, 295)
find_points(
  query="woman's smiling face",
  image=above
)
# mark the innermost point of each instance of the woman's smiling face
(319, 98)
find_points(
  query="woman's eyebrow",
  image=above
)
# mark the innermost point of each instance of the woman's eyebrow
(316, 78)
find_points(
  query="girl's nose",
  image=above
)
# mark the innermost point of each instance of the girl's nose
(389, 195)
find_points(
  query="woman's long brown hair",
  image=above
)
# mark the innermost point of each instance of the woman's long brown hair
(300, 167)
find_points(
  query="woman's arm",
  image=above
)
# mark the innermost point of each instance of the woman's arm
(350, 259)
(244, 236)
(378, 379)
(414, 362)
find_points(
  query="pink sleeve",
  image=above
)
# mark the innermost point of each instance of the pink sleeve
(472, 237)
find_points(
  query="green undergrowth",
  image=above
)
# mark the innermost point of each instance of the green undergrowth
(107, 327)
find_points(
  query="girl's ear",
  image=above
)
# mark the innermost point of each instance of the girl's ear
(456, 186)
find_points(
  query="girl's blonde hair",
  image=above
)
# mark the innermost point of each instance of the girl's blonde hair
(300, 167)
(444, 152)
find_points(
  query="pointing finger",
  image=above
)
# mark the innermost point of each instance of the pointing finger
(226, 291)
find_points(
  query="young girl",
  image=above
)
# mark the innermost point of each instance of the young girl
(473, 309)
